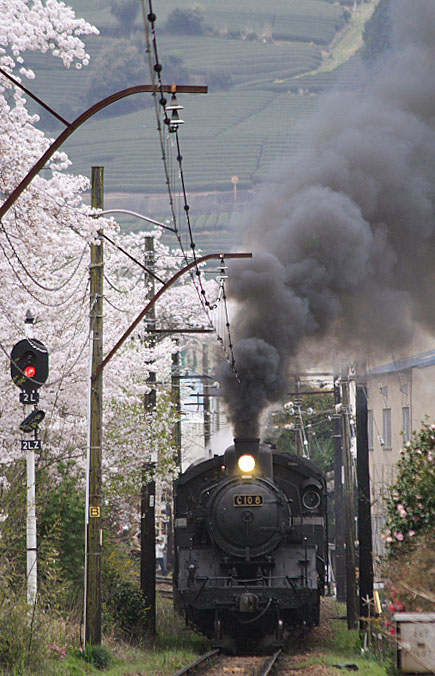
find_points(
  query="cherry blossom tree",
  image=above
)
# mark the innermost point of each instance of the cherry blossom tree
(44, 265)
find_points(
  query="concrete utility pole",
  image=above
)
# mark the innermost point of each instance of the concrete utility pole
(176, 402)
(349, 512)
(364, 515)
(340, 572)
(93, 563)
(148, 492)
(206, 400)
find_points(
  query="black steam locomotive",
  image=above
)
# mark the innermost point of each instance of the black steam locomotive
(250, 545)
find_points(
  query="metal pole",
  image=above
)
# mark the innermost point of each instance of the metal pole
(32, 575)
(364, 511)
(206, 400)
(31, 536)
(340, 572)
(349, 530)
(148, 551)
(159, 293)
(148, 492)
(176, 402)
(93, 512)
(75, 124)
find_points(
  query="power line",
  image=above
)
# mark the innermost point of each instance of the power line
(29, 274)
(155, 73)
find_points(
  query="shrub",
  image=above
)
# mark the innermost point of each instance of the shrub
(61, 527)
(21, 642)
(129, 607)
(410, 576)
(96, 655)
(124, 605)
(120, 65)
(410, 526)
(410, 505)
(125, 11)
(185, 22)
(377, 33)
(218, 80)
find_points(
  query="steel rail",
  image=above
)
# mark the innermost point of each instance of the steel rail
(198, 663)
(160, 579)
(269, 663)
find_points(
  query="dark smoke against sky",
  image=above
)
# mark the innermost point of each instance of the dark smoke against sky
(344, 239)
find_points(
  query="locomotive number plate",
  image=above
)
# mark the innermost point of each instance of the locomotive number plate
(248, 500)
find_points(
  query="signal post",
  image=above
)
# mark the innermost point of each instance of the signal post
(29, 370)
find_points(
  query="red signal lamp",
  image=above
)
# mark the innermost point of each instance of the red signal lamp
(29, 365)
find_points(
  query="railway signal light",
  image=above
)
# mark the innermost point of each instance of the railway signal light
(29, 364)
(32, 421)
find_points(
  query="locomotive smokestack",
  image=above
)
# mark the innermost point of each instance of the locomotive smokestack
(250, 446)
(246, 445)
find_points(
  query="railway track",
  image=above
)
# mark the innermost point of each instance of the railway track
(215, 664)
(164, 586)
(160, 579)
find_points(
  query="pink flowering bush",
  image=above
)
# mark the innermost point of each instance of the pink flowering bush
(410, 505)
(409, 568)
(410, 576)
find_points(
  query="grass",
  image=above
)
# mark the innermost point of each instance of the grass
(175, 646)
(332, 643)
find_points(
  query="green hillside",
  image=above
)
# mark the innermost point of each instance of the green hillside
(265, 64)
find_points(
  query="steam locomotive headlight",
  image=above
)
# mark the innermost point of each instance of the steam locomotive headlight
(246, 463)
(311, 499)
(191, 569)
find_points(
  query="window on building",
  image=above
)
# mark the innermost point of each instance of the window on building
(386, 428)
(370, 428)
(406, 423)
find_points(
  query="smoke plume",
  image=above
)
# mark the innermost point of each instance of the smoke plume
(343, 238)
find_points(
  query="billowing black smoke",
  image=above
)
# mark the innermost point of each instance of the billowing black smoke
(343, 239)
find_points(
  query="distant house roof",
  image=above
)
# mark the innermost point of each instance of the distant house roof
(418, 361)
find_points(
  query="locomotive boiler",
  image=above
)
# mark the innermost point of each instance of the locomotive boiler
(250, 545)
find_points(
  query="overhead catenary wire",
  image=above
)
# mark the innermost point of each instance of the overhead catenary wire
(27, 290)
(201, 290)
(32, 277)
(155, 68)
(206, 304)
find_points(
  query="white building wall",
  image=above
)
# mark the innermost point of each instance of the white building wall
(411, 389)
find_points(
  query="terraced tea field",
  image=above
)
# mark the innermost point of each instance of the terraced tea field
(273, 55)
